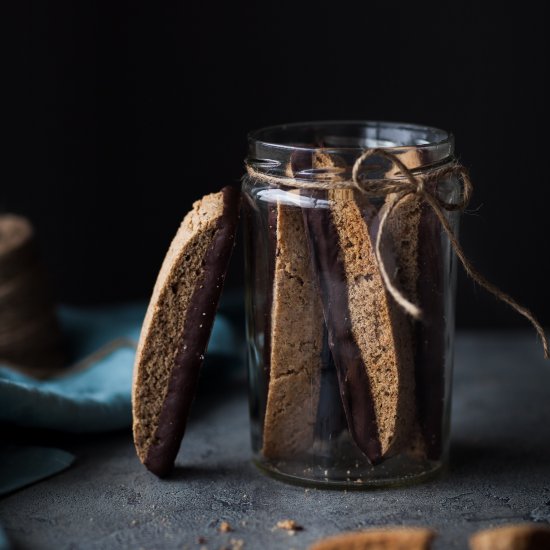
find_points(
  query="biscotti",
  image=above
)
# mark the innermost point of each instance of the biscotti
(397, 538)
(369, 339)
(412, 241)
(296, 346)
(512, 537)
(177, 327)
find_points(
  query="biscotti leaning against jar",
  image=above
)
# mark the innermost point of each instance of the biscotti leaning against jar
(350, 266)
(350, 238)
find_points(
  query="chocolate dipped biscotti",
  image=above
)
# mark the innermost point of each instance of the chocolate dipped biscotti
(400, 250)
(413, 238)
(430, 354)
(177, 327)
(368, 337)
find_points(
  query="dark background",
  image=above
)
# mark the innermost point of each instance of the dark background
(119, 115)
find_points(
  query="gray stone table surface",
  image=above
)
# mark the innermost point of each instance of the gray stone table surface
(499, 473)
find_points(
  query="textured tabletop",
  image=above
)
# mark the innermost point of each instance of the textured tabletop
(499, 473)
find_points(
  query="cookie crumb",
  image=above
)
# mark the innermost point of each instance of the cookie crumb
(225, 527)
(289, 525)
(236, 544)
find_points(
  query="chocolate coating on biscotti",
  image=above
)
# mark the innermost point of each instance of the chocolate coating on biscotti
(430, 352)
(173, 341)
(331, 417)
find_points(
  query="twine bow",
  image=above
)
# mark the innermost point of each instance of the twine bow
(417, 185)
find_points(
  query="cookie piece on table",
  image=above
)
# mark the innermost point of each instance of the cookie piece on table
(512, 537)
(296, 342)
(177, 327)
(397, 538)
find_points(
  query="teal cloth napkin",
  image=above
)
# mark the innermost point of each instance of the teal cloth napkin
(4, 544)
(22, 466)
(95, 394)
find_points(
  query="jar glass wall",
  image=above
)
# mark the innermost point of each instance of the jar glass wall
(347, 389)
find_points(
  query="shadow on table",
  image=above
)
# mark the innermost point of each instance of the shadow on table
(493, 460)
(194, 472)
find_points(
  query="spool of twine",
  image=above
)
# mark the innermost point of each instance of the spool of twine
(30, 337)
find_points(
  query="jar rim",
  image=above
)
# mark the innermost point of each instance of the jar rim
(433, 137)
(417, 146)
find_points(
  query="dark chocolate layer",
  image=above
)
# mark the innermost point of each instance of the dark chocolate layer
(331, 417)
(352, 374)
(430, 352)
(199, 320)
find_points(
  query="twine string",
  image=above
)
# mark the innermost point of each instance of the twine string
(425, 187)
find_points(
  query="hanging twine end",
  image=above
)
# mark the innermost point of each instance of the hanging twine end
(546, 348)
(413, 310)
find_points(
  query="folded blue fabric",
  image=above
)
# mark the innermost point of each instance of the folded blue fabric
(22, 466)
(4, 544)
(95, 394)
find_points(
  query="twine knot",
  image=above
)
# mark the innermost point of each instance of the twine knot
(424, 186)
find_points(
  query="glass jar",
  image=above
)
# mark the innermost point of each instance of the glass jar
(346, 389)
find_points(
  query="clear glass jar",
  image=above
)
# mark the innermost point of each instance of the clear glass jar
(345, 388)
